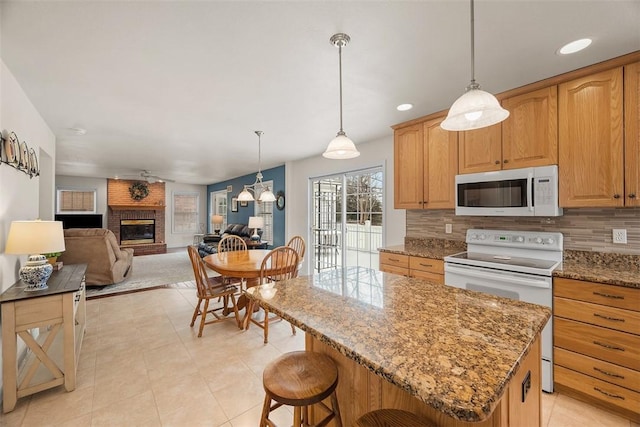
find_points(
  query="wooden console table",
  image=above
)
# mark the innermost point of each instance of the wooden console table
(51, 325)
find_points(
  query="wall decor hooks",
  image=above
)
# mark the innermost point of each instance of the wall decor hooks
(19, 155)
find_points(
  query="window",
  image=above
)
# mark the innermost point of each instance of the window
(75, 200)
(265, 210)
(185, 212)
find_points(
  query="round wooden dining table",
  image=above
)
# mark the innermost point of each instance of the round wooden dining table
(242, 264)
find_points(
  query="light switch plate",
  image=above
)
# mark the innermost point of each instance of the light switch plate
(620, 235)
(448, 228)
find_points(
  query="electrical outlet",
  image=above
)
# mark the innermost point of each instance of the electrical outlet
(448, 228)
(620, 235)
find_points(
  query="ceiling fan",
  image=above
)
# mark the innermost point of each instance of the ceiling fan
(145, 175)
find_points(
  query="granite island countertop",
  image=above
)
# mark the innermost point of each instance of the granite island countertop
(453, 349)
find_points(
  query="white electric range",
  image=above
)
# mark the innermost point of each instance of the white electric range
(511, 264)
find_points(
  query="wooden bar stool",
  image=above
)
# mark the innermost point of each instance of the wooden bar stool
(300, 379)
(391, 418)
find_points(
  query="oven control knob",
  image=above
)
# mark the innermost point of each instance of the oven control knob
(519, 239)
(483, 236)
(549, 241)
(538, 240)
(474, 236)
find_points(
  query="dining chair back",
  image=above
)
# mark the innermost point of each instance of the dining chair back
(279, 264)
(298, 244)
(232, 243)
(209, 288)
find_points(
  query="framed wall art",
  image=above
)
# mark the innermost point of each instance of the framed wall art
(234, 204)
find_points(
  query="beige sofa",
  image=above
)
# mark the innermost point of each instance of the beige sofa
(98, 248)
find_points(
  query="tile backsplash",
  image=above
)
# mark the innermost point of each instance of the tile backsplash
(583, 229)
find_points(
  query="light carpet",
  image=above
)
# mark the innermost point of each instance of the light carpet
(150, 271)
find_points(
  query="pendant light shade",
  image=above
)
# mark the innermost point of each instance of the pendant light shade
(340, 147)
(266, 195)
(476, 108)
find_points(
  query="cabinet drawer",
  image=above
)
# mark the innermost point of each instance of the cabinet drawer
(613, 346)
(31, 313)
(605, 371)
(394, 270)
(427, 275)
(598, 293)
(601, 315)
(394, 259)
(426, 264)
(603, 391)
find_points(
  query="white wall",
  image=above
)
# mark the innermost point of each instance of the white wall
(20, 196)
(298, 173)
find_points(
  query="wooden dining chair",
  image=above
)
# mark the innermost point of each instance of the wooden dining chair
(298, 244)
(209, 288)
(228, 244)
(279, 264)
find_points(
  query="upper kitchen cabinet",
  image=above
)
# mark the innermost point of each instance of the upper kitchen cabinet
(528, 137)
(632, 134)
(480, 150)
(408, 167)
(530, 133)
(425, 166)
(590, 141)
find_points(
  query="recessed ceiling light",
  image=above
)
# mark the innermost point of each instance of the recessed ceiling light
(77, 131)
(404, 107)
(574, 46)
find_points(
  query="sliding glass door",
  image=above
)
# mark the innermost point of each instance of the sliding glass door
(347, 219)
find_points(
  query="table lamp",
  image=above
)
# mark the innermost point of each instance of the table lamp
(34, 238)
(255, 222)
(216, 221)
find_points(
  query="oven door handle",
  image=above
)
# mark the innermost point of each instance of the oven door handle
(530, 191)
(476, 273)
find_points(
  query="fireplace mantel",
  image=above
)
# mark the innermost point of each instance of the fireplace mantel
(137, 207)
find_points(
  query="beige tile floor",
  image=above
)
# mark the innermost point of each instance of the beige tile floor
(141, 365)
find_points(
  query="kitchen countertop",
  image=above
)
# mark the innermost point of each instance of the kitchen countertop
(608, 268)
(453, 349)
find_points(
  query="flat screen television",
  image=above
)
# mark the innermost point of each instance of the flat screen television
(80, 220)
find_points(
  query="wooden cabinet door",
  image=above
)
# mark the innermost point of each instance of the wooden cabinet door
(530, 133)
(408, 168)
(480, 150)
(632, 134)
(590, 143)
(440, 164)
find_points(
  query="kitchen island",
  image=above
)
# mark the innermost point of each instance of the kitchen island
(453, 356)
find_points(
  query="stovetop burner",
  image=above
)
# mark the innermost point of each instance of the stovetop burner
(507, 260)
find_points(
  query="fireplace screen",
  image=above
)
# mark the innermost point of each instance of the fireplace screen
(137, 231)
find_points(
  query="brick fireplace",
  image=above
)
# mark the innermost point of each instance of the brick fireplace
(145, 217)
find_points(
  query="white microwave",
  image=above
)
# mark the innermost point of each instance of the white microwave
(515, 192)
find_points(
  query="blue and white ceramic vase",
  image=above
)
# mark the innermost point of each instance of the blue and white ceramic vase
(36, 272)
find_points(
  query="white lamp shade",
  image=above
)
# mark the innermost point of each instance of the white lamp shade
(475, 109)
(267, 196)
(216, 219)
(341, 148)
(35, 237)
(256, 222)
(245, 196)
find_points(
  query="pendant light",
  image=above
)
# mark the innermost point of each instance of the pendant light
(266, 195)
(475, 108)
(340, 147)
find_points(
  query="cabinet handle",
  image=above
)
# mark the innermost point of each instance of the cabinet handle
(420, 202)
(609, 346)
(615, 319)
(394, 259)
(505, 161)
(616, 196)
(497, 162)
(615, 396)
(608, 373)
(608, 295)
(426, 265)
(632, 195)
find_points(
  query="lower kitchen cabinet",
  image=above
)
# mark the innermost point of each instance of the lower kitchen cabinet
(413, 266)
(597, 344)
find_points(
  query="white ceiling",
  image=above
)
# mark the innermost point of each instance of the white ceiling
(178, 87)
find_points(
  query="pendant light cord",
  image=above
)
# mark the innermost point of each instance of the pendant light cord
(340, 73)
(473, 48)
